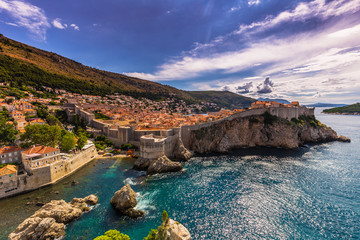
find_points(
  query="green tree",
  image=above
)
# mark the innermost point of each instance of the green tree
(52, 120)
(41, 134)
(164, 216)
(42, 112)
(152, 235)
(82, 140)
(113, 235)
(7, 132)
(67, 142)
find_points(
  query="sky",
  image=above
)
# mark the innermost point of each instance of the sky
(305, 50)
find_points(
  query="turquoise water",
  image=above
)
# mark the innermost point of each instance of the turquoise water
(262, 193)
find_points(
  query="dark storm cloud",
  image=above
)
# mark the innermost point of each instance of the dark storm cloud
(244, 88)
(266, 87)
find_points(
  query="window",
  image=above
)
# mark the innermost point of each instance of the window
(3, 161)
(10, 160)
(9, 154)
(15, 153)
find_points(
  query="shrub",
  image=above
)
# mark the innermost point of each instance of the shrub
(113, 235)
(268, 118)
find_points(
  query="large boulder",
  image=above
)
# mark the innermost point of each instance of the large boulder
(162, 165)
(49, 221)
(124, 200)
(172, 230)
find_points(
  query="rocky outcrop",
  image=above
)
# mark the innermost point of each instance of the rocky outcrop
(142, 164)
(261, 130)
(49, 221)
(124, 200)
(181, 152)
(174, 231)
(163, 165)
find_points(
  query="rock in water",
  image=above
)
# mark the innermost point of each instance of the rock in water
(162, 165)
(49, 221)
(343, 139)
(91, 199)
(124, 200)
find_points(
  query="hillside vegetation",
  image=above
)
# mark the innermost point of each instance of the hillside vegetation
(223, 98)
(22, 64)
(349, 109)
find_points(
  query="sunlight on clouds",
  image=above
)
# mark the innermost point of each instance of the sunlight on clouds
(57, 23)
(31, 17)
(253, 2)
(27, 15)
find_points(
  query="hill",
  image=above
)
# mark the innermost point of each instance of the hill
(353, 109)
(28, 65)
(22, 64)
(325, 105)
(279, 100)
(223, 98)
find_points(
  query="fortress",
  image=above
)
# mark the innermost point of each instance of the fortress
(172, 142)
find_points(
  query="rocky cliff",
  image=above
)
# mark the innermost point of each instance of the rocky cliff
(263, 130)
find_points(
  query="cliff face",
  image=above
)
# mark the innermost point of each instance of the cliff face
(265, 130)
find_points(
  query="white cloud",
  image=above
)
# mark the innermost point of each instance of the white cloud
(305, 58)
(75, 27)
(57, 23)
(27, 15)
(305, 10)
(253, 2)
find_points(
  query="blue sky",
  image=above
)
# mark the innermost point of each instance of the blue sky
(305, 50)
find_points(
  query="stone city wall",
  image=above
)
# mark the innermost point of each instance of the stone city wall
(47, 175)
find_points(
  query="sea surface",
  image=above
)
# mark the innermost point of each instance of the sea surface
(260, 193)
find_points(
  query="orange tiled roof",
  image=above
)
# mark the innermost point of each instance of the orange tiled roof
(8, 169)
(9, 149)
(40, 150)
(37, 121)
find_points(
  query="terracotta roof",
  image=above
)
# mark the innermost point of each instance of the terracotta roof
(9, 149)
(8, 169)
(37, 121)
(40, 150)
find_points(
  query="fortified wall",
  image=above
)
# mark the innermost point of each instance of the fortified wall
(154, 143)
(40, 177)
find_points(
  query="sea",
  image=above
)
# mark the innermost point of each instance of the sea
(261, 193)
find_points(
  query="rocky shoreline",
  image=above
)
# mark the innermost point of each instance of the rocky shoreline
(49, 221)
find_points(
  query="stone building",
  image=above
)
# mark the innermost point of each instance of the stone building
(39, 156)
(10, 154)
(8, 176)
